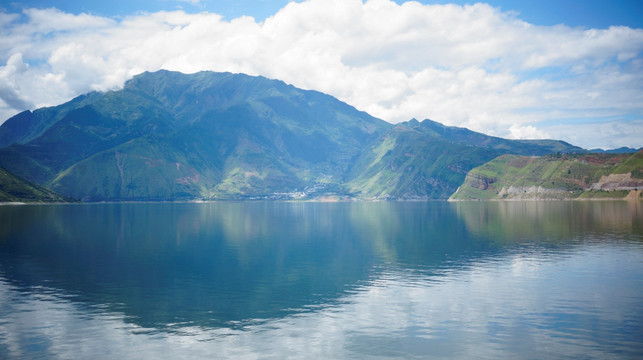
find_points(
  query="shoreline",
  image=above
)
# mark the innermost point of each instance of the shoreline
(18, 203)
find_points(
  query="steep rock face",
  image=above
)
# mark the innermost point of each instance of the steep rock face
(481, 182)
(613, 182)
(532, 193)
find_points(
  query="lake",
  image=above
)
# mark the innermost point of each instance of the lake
(352, 280)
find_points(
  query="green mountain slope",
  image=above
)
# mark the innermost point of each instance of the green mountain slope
(411, 164)
(427, 160)
(28, 125)
(15, 189)
(558, 176)
(207, 135)
(168, 135)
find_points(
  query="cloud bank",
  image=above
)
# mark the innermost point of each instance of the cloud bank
(471, 66)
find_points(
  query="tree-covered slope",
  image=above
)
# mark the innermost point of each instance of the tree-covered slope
(555, 177)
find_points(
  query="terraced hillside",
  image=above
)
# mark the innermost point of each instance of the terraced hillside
(566, 176)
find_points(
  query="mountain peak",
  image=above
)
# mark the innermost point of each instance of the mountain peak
(207, 135)
(169, 135)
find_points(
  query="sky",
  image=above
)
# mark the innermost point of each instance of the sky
(568, 69)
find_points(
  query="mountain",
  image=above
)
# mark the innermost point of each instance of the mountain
(621, 150)
(522, 147)
(15, 189)
(427, 160)
(566, 176)
(168, 135)
(28, 125)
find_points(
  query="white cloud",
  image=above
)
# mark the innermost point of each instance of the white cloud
(9, 91)
(526, 132)
(605, 135)
(470, 66)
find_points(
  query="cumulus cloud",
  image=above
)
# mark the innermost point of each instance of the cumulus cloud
(526, 132)
(472, 65)
(9, 91)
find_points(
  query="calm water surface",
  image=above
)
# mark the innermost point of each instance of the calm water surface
(274, 280)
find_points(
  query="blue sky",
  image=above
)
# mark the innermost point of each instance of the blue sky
(587, 13)
(568, 69)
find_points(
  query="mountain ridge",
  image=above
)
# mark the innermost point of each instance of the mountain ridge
(13, 189)
(169, 136)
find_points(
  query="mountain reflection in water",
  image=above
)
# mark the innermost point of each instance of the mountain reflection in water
(391, 279)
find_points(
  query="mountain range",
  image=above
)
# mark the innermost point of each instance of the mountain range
(169, 136)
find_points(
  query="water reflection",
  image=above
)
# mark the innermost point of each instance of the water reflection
(323, 279)
(206, 264)
(522, 221)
